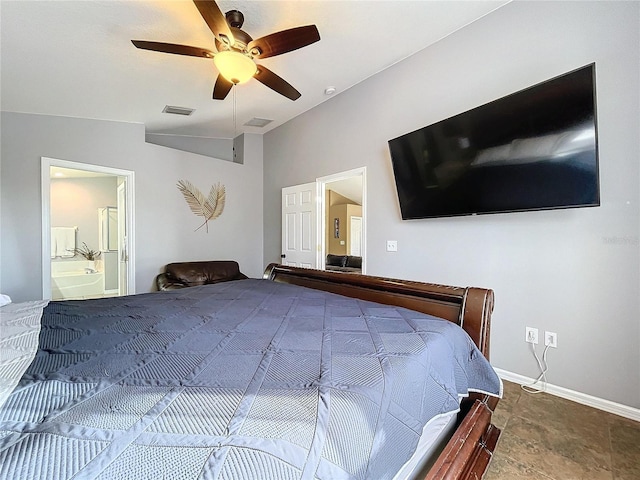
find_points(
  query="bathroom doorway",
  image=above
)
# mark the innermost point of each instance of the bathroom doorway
(342, 218)
(87, 230)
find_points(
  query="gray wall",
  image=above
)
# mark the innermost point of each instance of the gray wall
(574, 272)
(164, 225)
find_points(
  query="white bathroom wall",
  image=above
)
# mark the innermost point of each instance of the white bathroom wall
(75, 202)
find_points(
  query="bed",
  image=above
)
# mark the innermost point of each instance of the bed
(303, 374)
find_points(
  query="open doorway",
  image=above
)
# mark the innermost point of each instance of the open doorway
(342, 220)
(87, 231)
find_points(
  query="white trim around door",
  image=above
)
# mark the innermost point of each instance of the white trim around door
(47, 163)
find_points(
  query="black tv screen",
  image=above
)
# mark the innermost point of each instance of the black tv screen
(534, 149)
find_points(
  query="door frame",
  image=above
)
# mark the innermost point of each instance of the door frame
(123, 244)
(46, 165)
(321, 184)
(351, 234)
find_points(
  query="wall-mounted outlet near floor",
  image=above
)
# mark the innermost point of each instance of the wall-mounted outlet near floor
(531, 335)
(551, 339)
(392, 245)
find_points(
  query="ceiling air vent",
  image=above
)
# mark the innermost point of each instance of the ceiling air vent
(258, 122)
(178, 110)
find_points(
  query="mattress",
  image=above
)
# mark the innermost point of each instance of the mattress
(433, 439)
(248, 379)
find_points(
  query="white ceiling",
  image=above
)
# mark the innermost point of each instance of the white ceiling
(75, 58)
(350, 188)
(61, 172)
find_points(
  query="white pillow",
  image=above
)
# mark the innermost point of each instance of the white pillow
(534, 148)
(4, 300)
(19, 332)
(499, 154)
(575, 142)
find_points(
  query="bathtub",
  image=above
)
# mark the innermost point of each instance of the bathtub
(75, 279)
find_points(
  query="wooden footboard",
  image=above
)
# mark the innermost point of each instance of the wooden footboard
(468, 452)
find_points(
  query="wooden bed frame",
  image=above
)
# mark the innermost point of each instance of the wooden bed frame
(468, 452)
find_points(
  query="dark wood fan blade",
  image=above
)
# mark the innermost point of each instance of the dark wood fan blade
(173, 48)
(221, 88)
(283, 42)
(216, 20)
(274, 82)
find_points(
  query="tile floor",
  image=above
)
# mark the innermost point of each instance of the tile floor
(547, 437)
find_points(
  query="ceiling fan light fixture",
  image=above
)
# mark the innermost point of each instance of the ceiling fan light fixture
(235, 66)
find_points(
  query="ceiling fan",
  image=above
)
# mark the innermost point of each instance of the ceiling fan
(236, 50)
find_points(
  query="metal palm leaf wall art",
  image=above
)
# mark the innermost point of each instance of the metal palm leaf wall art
(209, 207)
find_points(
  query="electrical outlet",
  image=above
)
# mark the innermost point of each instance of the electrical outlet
(392, 245)
(551, 339)
(531, 335)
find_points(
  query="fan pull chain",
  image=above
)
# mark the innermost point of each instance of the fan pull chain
(235, 124)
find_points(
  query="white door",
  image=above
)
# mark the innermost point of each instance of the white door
(123, 255)
(299, 229)
(355, 247)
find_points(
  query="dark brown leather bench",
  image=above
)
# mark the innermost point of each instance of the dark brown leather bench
(191, 274)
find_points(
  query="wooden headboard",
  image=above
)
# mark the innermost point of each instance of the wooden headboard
(469, 307)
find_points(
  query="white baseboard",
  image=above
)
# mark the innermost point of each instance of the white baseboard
(589, 400)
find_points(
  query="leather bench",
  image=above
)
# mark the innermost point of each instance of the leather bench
(190, 274)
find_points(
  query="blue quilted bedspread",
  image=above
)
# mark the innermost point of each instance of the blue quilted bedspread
(249, 379)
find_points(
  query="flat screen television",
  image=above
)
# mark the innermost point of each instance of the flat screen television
(532, 150)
